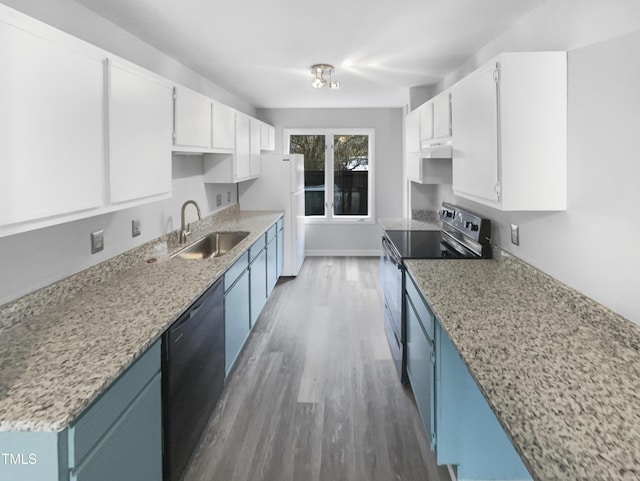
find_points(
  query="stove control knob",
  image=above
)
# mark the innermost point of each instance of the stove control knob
(447, 213)
(471, 226)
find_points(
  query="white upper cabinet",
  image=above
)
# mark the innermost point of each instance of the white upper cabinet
(412, 132)
(475, 150)
(243, 146)
(425, 112)
(51, 124)
(254, 147)
(236, 165)
(192, 121)
(267, 137)
(510, 132)
(442, 116)
(224, 128)
(140, 127)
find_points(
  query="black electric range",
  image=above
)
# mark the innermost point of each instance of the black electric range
(464, 235)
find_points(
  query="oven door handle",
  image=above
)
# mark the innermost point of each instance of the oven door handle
(390, 251)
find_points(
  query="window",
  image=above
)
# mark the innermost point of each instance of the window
(338, 173)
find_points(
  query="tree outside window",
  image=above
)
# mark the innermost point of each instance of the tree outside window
(348, 179)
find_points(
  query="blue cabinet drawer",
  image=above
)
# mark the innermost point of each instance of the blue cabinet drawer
(235, 270)
(257, 247)
(424, 313)
(271, 233)
(88, 430)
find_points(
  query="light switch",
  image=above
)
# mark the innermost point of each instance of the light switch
(135, 227)
(97, 241)
(515, 234)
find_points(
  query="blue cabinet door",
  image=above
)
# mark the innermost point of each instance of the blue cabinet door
(272, 265)
(236, 318)
(468, 432)
(258, 274)
(420, 365)
(131, 450)
(280, 242)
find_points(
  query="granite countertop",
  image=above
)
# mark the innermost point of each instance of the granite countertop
(409, 224)
(63, 348)
(561, 372)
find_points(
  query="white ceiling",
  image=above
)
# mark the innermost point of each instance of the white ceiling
(261, 50)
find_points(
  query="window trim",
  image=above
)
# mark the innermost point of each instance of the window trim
(329, 217)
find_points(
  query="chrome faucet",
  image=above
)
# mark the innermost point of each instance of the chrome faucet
(184, 229)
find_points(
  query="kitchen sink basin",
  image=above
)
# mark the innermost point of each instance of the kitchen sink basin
(215, 244)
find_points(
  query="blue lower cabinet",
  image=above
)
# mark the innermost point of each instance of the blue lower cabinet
(131, 450)
(237, 321)
(118, 437)
(272, 265)
(280, 247)
(468, 432)
(258, 276)
(420, 368)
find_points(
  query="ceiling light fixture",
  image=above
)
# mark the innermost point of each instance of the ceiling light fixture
(321, 72)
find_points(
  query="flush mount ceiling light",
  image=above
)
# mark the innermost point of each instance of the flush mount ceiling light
(322, 76)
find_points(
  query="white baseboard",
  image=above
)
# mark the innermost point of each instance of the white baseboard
(344, 253)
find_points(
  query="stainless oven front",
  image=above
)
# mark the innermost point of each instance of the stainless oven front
(392, 274)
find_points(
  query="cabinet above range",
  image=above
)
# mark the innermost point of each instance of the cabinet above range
(428, 133)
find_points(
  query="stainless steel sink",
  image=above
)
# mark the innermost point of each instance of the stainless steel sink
(215, 244)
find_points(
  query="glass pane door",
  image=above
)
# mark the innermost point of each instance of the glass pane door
(351, 175)
(313, 149)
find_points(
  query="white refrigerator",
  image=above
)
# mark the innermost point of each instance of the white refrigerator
(280, 187)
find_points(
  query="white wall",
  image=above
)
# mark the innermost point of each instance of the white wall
(593, 245)
(34, 259)
(353, 239)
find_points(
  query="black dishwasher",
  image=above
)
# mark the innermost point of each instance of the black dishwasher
(192, 377)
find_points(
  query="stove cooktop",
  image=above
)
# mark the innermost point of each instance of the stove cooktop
(424, 244)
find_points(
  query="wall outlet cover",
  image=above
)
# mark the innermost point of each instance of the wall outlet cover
(515, 234)
(218, 200)
(135, 227)
(97, 241)
(228, 196)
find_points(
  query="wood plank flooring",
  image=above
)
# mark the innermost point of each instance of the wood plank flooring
(314, 395)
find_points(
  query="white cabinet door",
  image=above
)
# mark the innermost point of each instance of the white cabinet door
(442, 116)
(267, 137)
(412, 132)
(256, 131)
(51, 123)
(243, 147)
(510, 132)
(475, 147)
(224, 127)
(192, 120)
(426, 123)
(140, 117)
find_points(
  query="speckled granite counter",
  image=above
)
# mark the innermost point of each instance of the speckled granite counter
(409, 224)
(561, 372)
(62, 346)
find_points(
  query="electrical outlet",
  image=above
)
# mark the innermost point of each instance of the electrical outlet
(515, 234)
(135, 227)
(218, 200)
(228, 196)
(97, 241)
